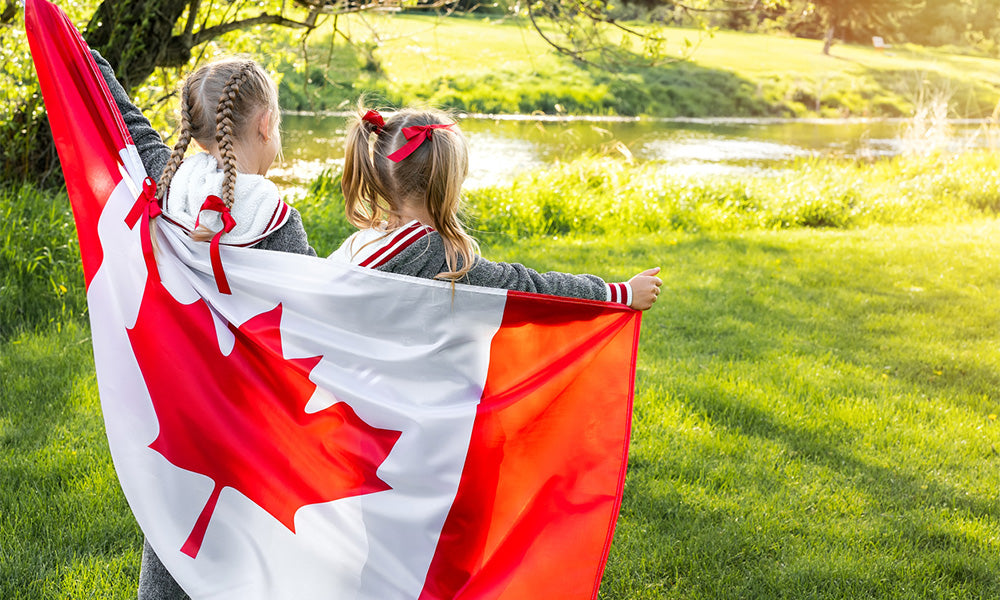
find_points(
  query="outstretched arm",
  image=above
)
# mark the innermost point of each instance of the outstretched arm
(514, 276)
(153, 152)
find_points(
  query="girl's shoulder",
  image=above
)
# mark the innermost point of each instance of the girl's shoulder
(375, 246)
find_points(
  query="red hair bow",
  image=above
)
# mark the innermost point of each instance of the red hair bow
(214, 203)
(375, 119)
(414, 137)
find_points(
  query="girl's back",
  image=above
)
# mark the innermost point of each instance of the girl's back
(402, 187)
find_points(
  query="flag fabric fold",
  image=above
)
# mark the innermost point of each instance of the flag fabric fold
(328, 431)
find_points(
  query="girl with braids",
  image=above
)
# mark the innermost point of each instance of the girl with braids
(230, 108)
(402, 188)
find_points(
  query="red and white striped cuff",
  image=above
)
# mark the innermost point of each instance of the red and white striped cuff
(620, 293)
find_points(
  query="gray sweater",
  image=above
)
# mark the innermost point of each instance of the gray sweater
(418, 251)
(428, 259)
(290, 237)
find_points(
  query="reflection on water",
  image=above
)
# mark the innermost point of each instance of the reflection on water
(501, 147)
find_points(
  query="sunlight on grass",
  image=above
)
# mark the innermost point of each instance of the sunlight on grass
(812, 413)
(773, 447)
(812, 421)
(62, 513)
(501, 65)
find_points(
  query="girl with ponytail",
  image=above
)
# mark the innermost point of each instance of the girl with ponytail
(402, 187)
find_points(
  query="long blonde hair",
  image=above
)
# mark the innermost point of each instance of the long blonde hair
(218, 104)
(374, 185)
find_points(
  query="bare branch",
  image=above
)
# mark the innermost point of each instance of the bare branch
(342, 7)
(263, 19)
(576, 55)
(735, 6)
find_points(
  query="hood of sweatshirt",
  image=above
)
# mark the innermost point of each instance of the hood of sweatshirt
(258, 209)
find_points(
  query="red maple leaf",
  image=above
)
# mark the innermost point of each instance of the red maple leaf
(240, 419)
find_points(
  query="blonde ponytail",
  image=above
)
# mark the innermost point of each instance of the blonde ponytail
(374, 185)
(366, 198)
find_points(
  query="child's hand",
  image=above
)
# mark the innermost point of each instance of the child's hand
(645, 289)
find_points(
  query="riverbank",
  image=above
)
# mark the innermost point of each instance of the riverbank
(615, 199)
(41, 282)
(489, 66)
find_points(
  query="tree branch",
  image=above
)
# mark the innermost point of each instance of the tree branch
(263, 19)
(343, 7)
(576, 55)
(735, 6)
(9, 13)
(192, 15)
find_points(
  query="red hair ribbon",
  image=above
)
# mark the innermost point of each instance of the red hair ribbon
(375, 119)
(147, 208)
(414, 137)
(214, 203)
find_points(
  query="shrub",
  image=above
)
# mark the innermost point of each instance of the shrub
(322, 210)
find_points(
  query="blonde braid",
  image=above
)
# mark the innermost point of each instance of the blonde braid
(183, 141)
(224, 132)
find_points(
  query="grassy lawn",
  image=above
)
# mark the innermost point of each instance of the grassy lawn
(415, 48)
(815, 417)
(502, 65)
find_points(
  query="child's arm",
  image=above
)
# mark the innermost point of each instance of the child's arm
(425, 258)
(514, 276)
(153, 152)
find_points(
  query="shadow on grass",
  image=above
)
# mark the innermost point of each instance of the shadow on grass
(683, 89)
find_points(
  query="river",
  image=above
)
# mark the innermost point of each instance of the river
(503, 146)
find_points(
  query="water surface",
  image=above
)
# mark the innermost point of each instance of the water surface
(503, 146)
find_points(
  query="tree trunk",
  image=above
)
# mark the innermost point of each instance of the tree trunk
(828, 40)
(132, 34)
(136, 36)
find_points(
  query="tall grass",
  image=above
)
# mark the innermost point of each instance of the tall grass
(605, 195)
(40, 272)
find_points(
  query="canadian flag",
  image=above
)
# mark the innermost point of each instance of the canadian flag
(328, 431)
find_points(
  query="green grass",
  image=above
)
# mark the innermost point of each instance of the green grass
(603, 196)
(812, 421)
(813, 414)
(488, 65)
(816, 397)
(65, 529)
(39, 260)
